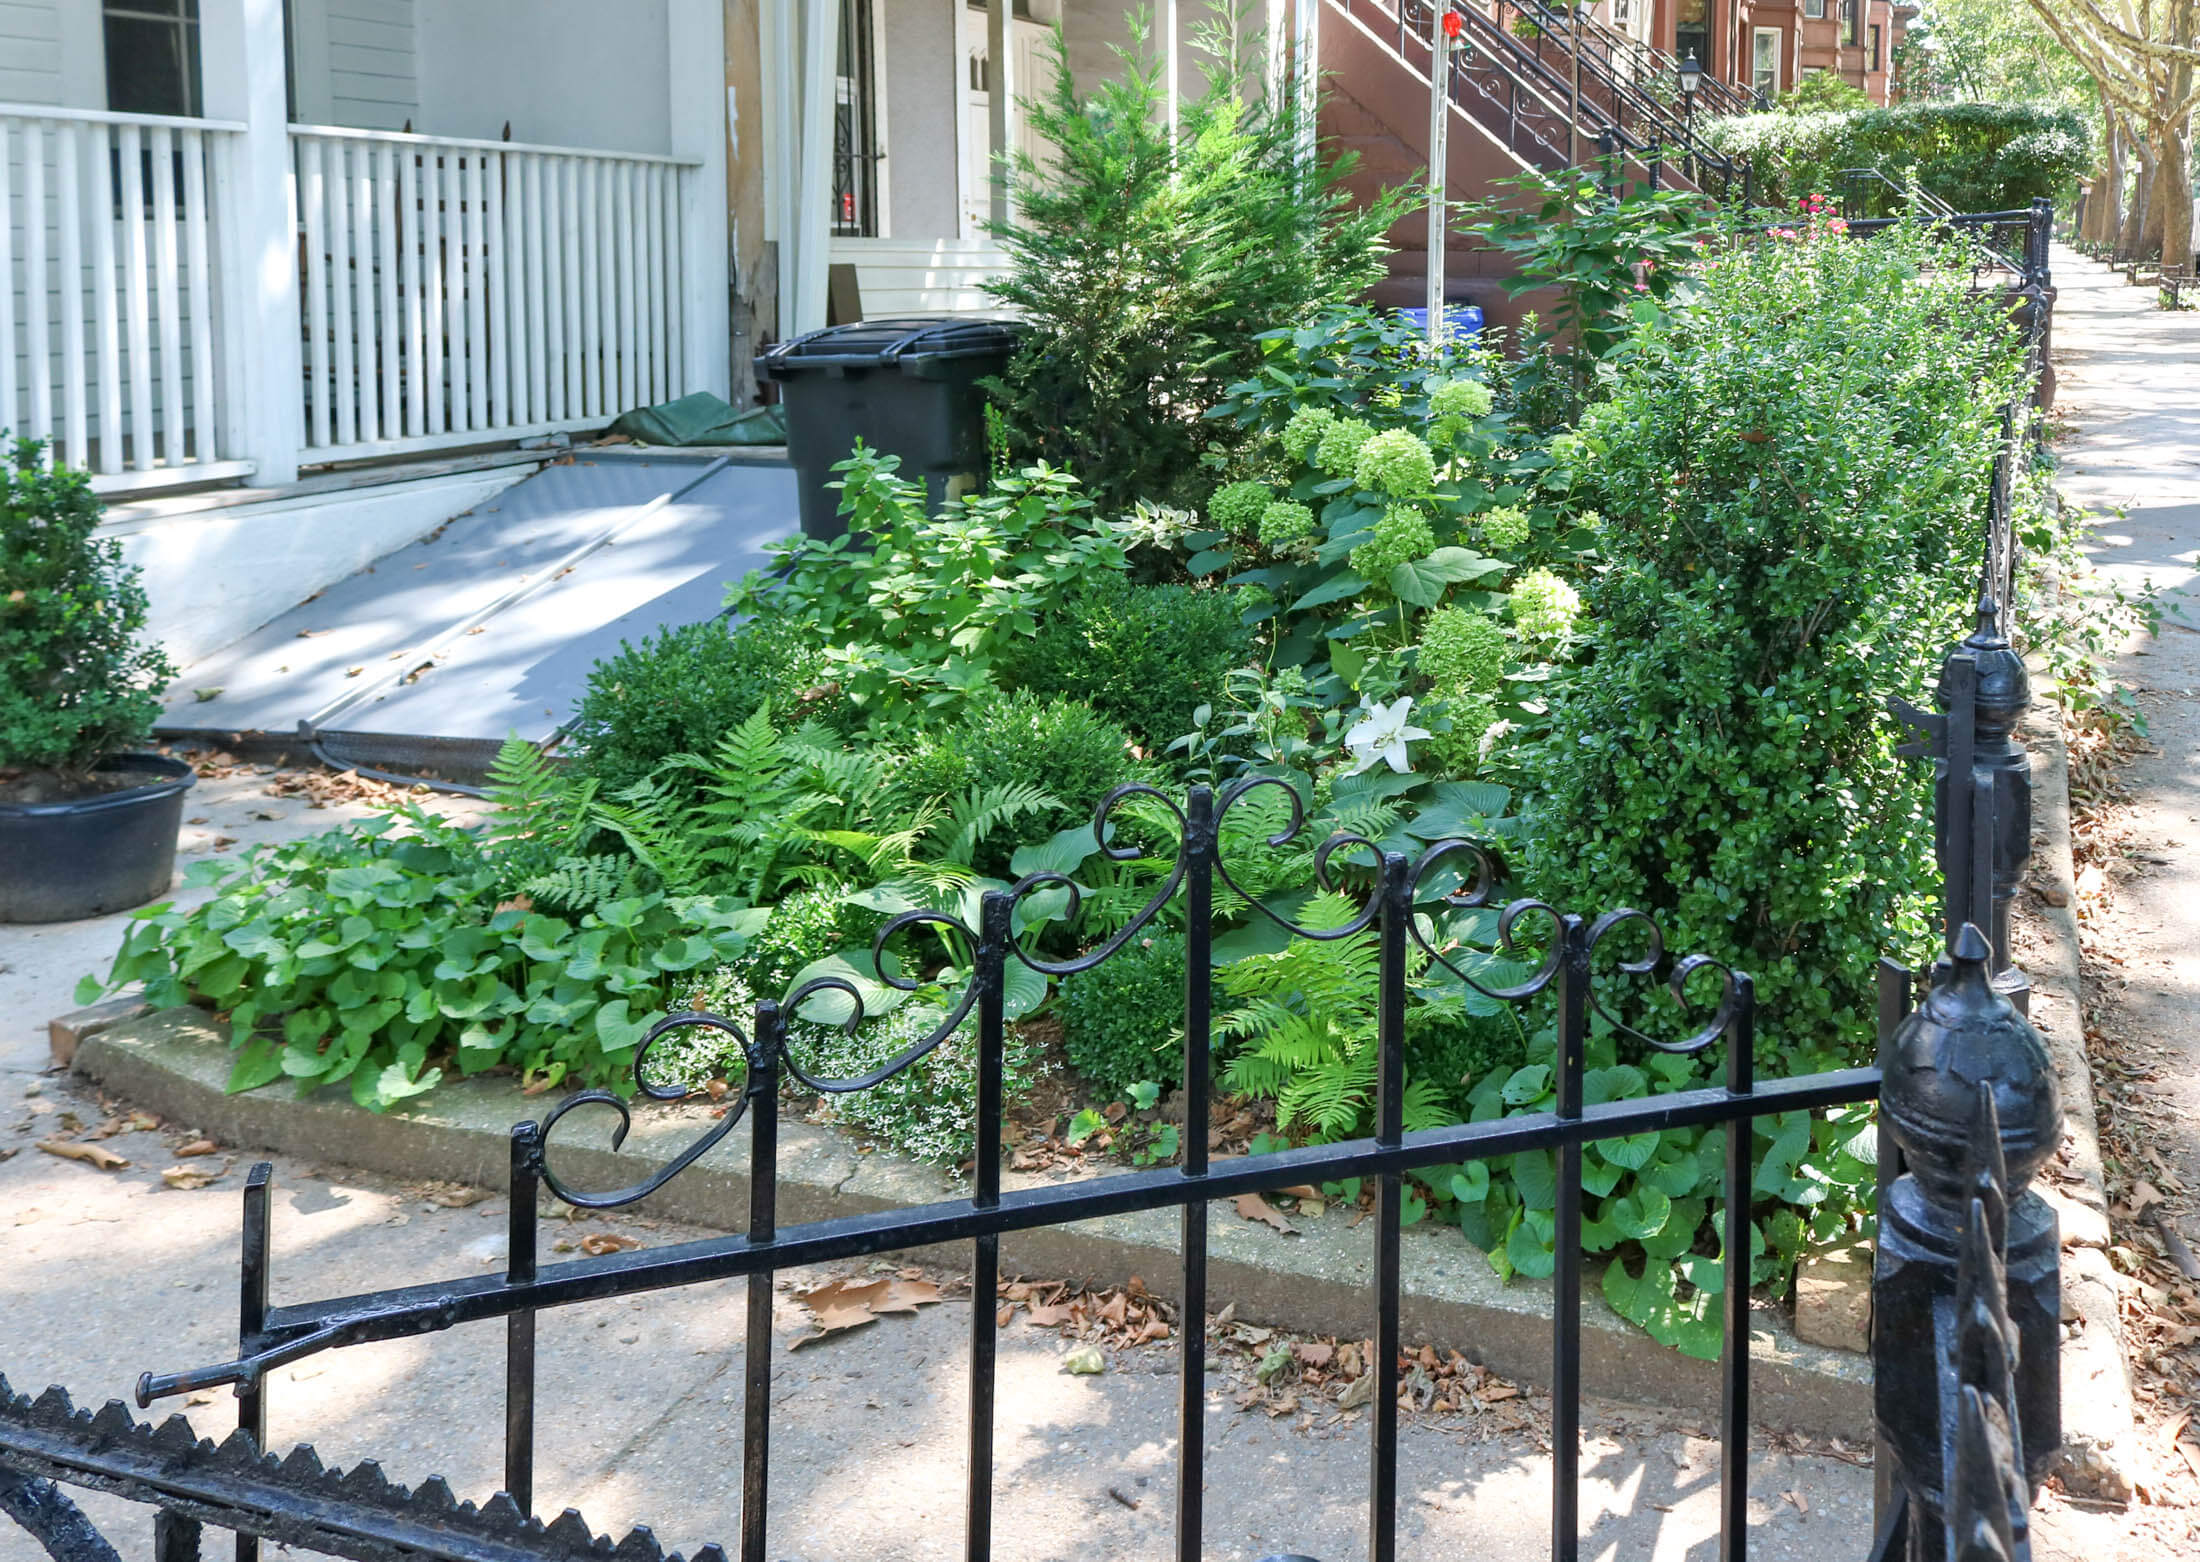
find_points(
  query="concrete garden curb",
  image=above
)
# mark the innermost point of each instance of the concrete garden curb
(2099, 1443)
(175, 1062)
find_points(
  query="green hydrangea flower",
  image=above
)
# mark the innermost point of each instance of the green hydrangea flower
(1305, 431)
(1236, 507)
(1401, 536)
(1284, 521)
(1504, 527)
(1338, 451)
(1461, 399)
(1460, 651)
(1252, 599)
(1396, 462)
(1544, 607)
(1458, 753)
(1565, 449)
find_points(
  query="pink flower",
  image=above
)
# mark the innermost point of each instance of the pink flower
(1642, 287)
(1784, 233)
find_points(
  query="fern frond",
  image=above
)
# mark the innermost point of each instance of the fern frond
(648, 817)
(578, 884)
(979, 812)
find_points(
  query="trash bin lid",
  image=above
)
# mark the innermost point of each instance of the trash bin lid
(905, 340)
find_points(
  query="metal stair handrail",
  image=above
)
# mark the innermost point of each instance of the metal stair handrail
(1719, 97)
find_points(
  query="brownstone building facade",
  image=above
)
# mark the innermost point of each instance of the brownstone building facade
(1768, 46)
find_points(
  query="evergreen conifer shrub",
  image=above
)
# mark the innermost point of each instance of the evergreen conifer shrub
(1145, 271)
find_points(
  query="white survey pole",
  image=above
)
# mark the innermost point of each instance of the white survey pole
(1439, 127)
(1170, 84)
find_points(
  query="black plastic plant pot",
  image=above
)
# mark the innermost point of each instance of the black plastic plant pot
(92, 855)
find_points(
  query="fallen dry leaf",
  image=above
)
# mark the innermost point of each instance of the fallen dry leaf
(1498, 1393)
(1802, 1503)
(92, 1154)
(188, 1176)
(599, 1244)
(197, 1147)
(1359, 1392)
(1313, 1353)
(1253, 1207)
(1050, 1316)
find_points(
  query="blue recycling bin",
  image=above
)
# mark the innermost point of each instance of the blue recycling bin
(1466, 321)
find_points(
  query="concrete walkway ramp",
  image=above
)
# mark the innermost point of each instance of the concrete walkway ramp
(489, 625)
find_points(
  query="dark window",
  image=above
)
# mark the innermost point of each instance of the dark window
(1875, 46)
(855, 127)
(152, 56)
(1814, 10)
(1852, 21)
(1692, 30)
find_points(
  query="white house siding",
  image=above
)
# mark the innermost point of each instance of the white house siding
(916, 53)
(30, 51)
(373, 77)
(580, 73)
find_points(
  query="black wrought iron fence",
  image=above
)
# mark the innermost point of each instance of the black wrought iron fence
(1581, 967)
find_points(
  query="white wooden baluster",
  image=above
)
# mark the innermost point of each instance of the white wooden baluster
(137, 299)
(648, 318)
(607, 280)
(538, 400)
(477, 335)
(454, 297)
(413, 224)
(368, 328)
(344, 395)
(675, 329)
(566, 266)
(69, 185)
(169, 281)
(8, 430)
(592, 396)
(37, 336)
(313, 205)
(105, 321)
(493, 261)
(390, 339)
(199, 294)
(629, 360)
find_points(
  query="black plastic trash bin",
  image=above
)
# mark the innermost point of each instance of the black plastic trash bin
(907, 386)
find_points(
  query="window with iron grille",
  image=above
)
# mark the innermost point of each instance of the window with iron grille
(855, 126)
(152, 56)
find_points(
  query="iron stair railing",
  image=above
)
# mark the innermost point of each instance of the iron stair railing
(1645, 62)
(1625, 81)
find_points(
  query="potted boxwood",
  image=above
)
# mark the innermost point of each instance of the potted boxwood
(86, 825)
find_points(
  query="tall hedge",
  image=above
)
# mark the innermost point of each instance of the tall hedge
(1794, 472)
(1975, 156)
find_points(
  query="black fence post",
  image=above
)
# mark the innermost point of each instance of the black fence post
(1966, 1298)
(1982, 776)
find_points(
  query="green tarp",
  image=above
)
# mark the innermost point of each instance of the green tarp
(702, 419)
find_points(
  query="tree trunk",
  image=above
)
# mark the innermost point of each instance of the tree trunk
(2104, 209)
(2135, 215)
(2175, 184)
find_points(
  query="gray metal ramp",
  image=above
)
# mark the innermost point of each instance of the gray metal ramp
(489, 625)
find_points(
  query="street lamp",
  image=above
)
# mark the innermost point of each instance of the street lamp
(1691, 77)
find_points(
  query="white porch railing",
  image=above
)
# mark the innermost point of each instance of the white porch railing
(456, 292)
(111, 325)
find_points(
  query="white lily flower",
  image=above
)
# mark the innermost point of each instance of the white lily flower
(1381, 736)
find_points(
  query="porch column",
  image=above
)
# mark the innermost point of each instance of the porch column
(261, 411)
(695, 78)
(1000, 100)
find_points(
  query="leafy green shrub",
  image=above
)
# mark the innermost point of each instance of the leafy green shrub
(916, 615)
(1795, 473)
(1455, 1050)
(1144, 270)
(380, 959)
(75, 684)
(1146, 656)
(1060, 749)
(806, 927)
(684, 688)
(928, 1111)
(1123, 1020)
(1978, 157)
